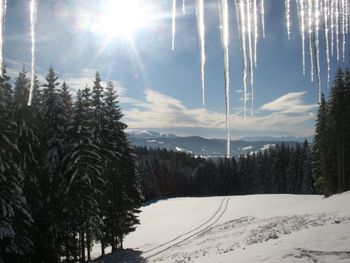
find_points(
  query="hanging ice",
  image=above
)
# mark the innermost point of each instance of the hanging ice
(317, 47)
(337, 26)
(250, 57)
(326, 37)
(240, 15)
(301, 13)
(224, 26)
(2, 33)
(334, 14)
(310, 32)
(255, 10)
(201, 36)
(262, 13)
(287, 6)
(33, 23)
(173, 25)
(343, 7)
(183, 6)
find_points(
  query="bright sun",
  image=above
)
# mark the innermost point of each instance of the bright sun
(121, 18)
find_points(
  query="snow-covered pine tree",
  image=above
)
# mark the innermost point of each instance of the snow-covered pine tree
(97, 104)
(26, 138)
(82, 165)
(336, 118)
(14, 217)
(49, 218)
(278, 169)
(294, 171)
(347, 130)
(122, 198)
(307, 184)
(320, 148)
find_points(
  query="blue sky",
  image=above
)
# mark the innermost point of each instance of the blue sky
(159, 88)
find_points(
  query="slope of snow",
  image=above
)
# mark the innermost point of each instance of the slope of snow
(256, 228)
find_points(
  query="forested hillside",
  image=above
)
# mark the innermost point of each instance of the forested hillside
(67, 173)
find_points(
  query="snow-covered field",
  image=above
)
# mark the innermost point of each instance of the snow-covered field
(255, 228)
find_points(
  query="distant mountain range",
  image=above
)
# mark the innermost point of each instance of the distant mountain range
(277, 139)
(206, 147)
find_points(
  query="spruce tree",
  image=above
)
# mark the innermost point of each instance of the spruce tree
(307, 179)
(346, 131)
(336, 118)
(320, 151)
(26, 127)
(15, 220)
(82, 165)
(54, 121)
(122, 198)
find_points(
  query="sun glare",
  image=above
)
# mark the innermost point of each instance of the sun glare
(121, 18)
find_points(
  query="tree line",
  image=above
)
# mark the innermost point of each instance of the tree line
(331, 147)
(67, 173)
(280, 169)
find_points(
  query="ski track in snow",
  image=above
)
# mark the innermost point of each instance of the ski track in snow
(185, 237)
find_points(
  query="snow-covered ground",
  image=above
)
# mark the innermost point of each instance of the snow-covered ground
(255, 228)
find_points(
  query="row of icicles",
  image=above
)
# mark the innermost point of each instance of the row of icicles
(315, 17)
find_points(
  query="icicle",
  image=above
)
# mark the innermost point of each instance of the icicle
(317, 48)
(2, 34)
(240, 14)
(343, 27)
(201, 36)
(287, 7)
(332, 25)
(250, 57)
(256, 35)
(317, 66)
(311, 51)
(325, 13)
(301, 14)
(337, 26)
(183, 7)
(33, 23)
(262, 13)
(346, 17)
(173, 25)
(223, 11)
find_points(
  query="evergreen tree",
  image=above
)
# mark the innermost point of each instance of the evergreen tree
(97, 105)
(82, 169)
(26, 127)
(122, 198)
(307, 179)
(346, 132)
(336, 118)
(320, 149)
(15, 219)
(52, 181)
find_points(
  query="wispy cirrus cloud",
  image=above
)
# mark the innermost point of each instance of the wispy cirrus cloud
(289, 103)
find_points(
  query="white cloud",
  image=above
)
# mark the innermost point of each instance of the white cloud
(160, 111)
(289, 103)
